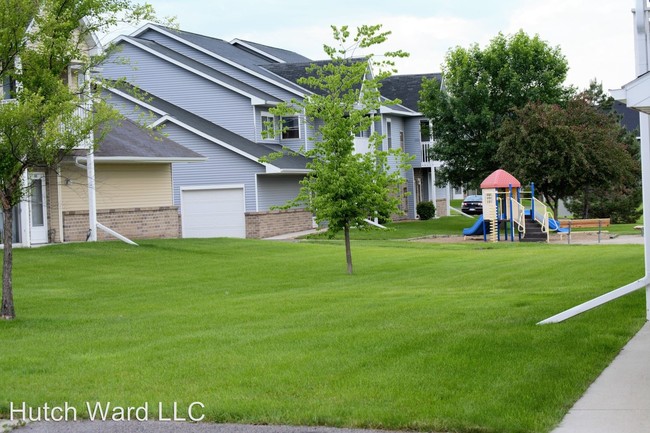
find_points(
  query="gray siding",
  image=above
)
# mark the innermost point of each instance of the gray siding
(276, 190)
(130, 110)
(180, 87)
(413, 142)
(219, 65)
(223, 167)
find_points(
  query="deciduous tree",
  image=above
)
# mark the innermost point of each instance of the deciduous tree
(44, 117)
(344, 188)
(479, 89)
(567, 151)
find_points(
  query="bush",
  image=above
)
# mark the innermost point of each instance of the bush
(426, 210)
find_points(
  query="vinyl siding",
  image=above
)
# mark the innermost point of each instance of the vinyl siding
(219, 65)
(180, 87)
(412, 139)
(223, 166)
(130, 110)
(118, 186)
(276, 190)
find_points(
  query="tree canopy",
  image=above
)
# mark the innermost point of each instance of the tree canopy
(43, 43)
(344, 188)
(569, 151)
(479, 89)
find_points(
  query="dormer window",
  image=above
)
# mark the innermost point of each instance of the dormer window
(291, 128)
(268, 124)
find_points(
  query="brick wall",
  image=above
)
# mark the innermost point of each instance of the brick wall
(135, 223)
(277, 222)
(441, 207)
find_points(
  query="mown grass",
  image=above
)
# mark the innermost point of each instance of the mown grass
(448, 226)
(423, 336)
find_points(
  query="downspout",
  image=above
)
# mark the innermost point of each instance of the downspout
(59, 204)
(92, 205)
(92, 201)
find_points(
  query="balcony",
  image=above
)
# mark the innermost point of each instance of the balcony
(425, 159)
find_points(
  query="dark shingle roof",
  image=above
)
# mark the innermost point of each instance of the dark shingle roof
(257, 150)
(406, 88)
(629, 117)
(127, 140)
(294, 71)
(282, 54)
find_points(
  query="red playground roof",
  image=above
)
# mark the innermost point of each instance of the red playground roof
(500, 179)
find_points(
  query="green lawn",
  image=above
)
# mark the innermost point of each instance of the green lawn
(409, 229)
(437, 337)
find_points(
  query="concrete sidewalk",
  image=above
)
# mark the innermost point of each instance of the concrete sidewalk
(619, 400)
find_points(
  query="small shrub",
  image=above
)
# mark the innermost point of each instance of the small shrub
(426, 210)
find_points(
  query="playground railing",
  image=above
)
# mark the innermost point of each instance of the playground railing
(541, 215)
(518, 215)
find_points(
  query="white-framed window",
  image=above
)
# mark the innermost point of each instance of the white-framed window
(291, 128)
(389, 134)
(402, 141)
(268, 122)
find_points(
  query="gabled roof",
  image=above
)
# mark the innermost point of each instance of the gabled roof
(127, 141)
(217, 134)
(271, 53)
(292, 72)
(256, 95)
(245, 60)
(406, 88)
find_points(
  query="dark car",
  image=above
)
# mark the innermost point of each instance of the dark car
(473, 205)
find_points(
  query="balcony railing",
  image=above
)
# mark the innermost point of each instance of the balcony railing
(426, 147)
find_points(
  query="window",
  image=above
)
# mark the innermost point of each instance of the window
(389, 133)
(425, 131)
(8, 88)
(291, 128)
(268, 124)
(402, 143)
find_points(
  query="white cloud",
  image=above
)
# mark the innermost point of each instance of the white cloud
(596, 36)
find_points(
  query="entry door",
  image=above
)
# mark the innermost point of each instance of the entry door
(37, 208)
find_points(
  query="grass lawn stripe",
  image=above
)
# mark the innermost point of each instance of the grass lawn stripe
(423, 336)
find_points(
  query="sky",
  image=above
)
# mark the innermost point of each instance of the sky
(596, 36)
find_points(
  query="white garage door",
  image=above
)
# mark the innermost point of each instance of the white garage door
(213, 212)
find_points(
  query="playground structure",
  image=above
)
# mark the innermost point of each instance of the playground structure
(505, 212)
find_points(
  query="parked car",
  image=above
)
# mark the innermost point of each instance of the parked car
(473, 205)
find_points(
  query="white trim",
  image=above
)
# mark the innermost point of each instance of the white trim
(150, 26)
(138, 101)
(142, 159)
(255, 100)
(257, 196)
(257, 50)
(213, 186)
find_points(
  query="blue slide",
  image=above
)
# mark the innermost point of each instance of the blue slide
(555, 226)
(476, 229)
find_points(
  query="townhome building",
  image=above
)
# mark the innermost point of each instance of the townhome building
(214, 97)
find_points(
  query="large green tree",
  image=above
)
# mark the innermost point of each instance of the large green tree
(43, 116)
(572, 150)
(344, 188)
(479, 88)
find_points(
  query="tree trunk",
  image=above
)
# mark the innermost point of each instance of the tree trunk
(585, 203)
(348, 251)
(7, 309)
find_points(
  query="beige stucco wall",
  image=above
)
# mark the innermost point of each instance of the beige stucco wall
(118, 186)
